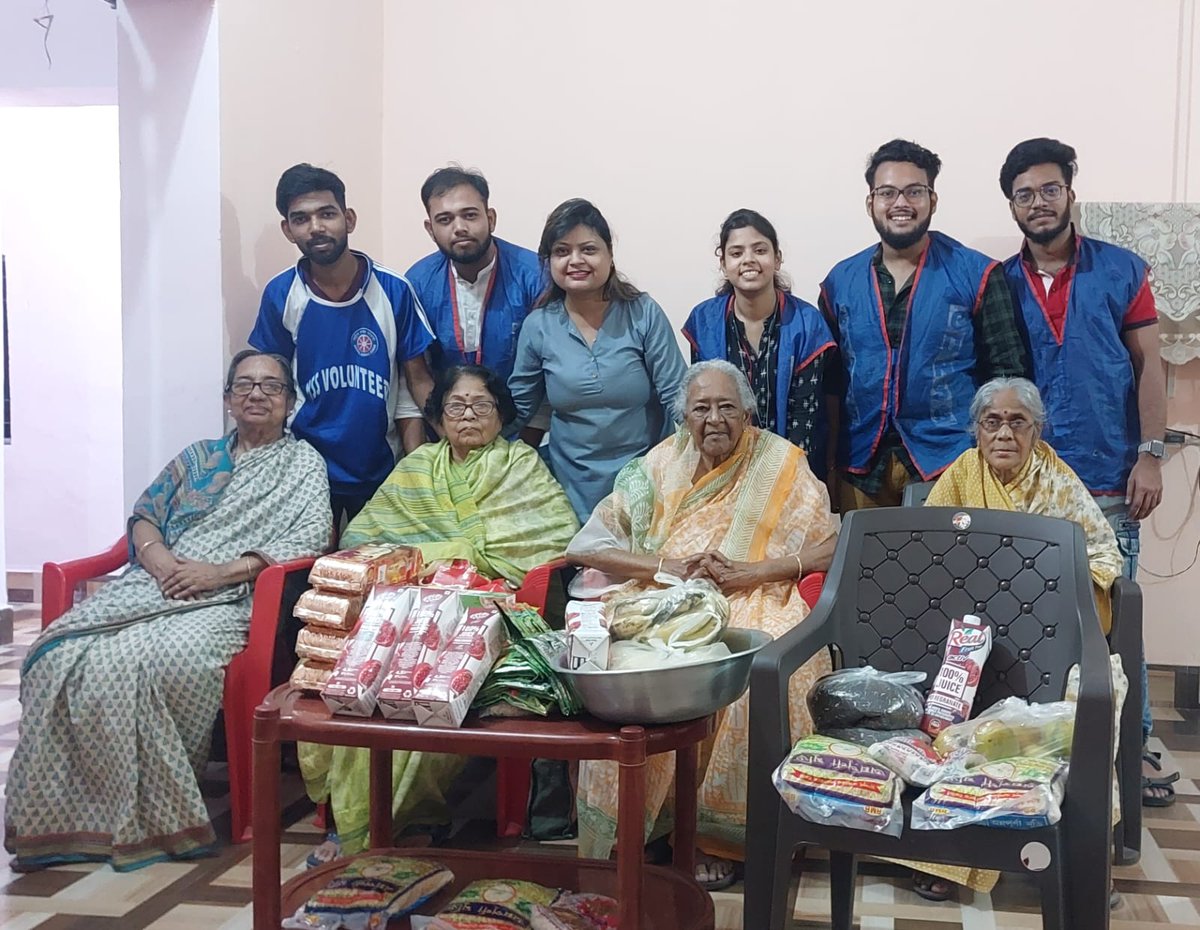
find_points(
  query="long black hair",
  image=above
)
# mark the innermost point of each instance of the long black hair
(562, 219)
(740, 219)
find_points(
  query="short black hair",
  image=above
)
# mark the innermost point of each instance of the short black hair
(905, 151)
(450, 177)
(284, 366)
(1041, 151)
(445, 382)
(303, 179)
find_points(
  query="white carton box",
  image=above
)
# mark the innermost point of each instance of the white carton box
(587, 636)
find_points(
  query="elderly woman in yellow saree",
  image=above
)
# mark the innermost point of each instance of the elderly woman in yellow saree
(724, 500)
(474, 495)
(1011, 468)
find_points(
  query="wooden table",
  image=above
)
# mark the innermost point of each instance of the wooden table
(651, 898)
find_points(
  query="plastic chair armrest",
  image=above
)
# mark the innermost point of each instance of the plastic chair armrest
(59, 579)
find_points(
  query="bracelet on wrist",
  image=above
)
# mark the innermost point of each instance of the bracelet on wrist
(146, 545)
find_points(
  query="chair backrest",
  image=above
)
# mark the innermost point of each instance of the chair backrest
(915, 493)
(902, 574)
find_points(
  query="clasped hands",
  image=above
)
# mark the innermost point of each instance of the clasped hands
(726, 574)
(181, 579)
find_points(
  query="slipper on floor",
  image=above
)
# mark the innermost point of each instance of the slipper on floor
(324, 853)
(1154, 760)
(1158, 793)
(923, 886)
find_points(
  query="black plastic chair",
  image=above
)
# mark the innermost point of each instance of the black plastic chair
(1124, 639)
(899, 576)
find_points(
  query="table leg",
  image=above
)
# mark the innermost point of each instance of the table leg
(381, 799)
(631, 837)
(686, 763)
(265, 822)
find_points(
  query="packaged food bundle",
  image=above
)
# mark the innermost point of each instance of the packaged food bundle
(524, 680)
(353, 688)
(328, 609)
(435, 614)
(1014, 727)
(683, 615)
(356, 570)
(461, 574)
(445, 696)
(949, 701)
(369, 893)
(576, 912)
(867, 698)
(918, 763)
(491, 904)
(311, 675)
(865, 736)
(321, 644)
(827, 781)
(587, 636)
(1016, 794)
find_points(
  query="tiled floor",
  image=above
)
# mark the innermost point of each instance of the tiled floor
(214, 894)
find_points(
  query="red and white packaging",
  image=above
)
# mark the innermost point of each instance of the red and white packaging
(587, 636)
(356, 570)
(435, 614)
(949, 700)
(446, 696)
(353, 688)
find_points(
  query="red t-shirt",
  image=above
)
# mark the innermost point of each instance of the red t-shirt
(1141, 310)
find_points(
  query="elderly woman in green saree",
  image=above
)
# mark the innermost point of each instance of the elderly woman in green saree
(120, 694)
(474, 495)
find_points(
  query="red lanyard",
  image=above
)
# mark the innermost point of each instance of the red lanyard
(487, 296)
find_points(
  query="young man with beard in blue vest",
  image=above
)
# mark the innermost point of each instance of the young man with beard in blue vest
(1092, 327)
(921, 321)
(476, 288)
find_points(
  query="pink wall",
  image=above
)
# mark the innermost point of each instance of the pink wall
(60, 203)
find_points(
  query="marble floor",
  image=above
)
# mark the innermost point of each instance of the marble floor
(214, 893)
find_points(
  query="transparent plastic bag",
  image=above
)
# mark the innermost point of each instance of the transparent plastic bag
(1014, 794)
(683, 615)
(918, 763)
(866, 697)
(1014, 727)
(829, 781)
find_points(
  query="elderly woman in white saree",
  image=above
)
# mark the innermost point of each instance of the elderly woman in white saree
(119, 695)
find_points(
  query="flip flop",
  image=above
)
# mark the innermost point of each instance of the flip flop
(1154, 760)
(1157, 794)
(923, 885)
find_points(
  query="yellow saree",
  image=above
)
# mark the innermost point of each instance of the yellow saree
(761, 503)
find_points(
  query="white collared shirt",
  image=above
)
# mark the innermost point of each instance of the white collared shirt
(470, 304)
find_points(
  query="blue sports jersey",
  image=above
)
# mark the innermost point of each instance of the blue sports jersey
(346, 357)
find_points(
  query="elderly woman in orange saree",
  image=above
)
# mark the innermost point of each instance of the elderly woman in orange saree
(723, 500)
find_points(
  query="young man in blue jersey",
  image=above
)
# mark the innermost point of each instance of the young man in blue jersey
(356, 337)
(1089, 315)
(921, 321)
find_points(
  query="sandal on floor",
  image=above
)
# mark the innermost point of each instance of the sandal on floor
(1114, 898)
(924, 885)
(1158, 793)
(711, 865)
(1154, 760)
(325, 853)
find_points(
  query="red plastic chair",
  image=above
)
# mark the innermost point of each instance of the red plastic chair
(247, 677)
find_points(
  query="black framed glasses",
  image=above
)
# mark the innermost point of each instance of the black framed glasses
(242, 387)
(1050, 193)
(1017, 425)
(481, 408)
(914, 193)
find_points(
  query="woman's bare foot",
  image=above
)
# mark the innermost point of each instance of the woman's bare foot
(714, 873)
(930, 887)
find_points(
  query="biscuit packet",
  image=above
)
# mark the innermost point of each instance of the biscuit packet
(370, 892)
(357, 570)
(328, 609)
(1014, 794)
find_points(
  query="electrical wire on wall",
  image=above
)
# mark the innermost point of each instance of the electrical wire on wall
(1187, 440)
(46, 21)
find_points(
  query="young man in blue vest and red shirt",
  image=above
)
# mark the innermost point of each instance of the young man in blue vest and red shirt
(1092, 327)
(476, 289)
(921, 321)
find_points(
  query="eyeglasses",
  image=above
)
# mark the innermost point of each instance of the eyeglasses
(1050, 193)
(481, 408)
(1017, 425)
(914, 193)
(243, 386)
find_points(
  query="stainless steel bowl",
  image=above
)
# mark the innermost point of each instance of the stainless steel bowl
(671, 694)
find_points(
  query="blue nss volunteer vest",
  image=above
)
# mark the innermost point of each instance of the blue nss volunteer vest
(923, 387)
(515, 284)
(803, 335)
(1086, 376)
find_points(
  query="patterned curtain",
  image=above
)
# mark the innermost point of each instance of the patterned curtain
(1167, 235)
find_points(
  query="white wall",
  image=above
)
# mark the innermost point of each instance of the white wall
(60, 204)
(83, 53)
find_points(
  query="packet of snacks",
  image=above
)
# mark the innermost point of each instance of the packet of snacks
(446, 695)
(328, 609)
(356, 570)
(311, 675)
(949, 700)
(434, 615)
(320, 644)
(353, 688)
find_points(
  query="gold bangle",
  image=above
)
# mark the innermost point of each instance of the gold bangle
(799, 567)
(146, 545)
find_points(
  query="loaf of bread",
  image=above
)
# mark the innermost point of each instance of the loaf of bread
(329, 609)
(319, 643)
(311, 675)
(354, 571)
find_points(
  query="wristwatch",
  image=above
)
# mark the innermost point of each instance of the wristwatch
(1155, 447)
